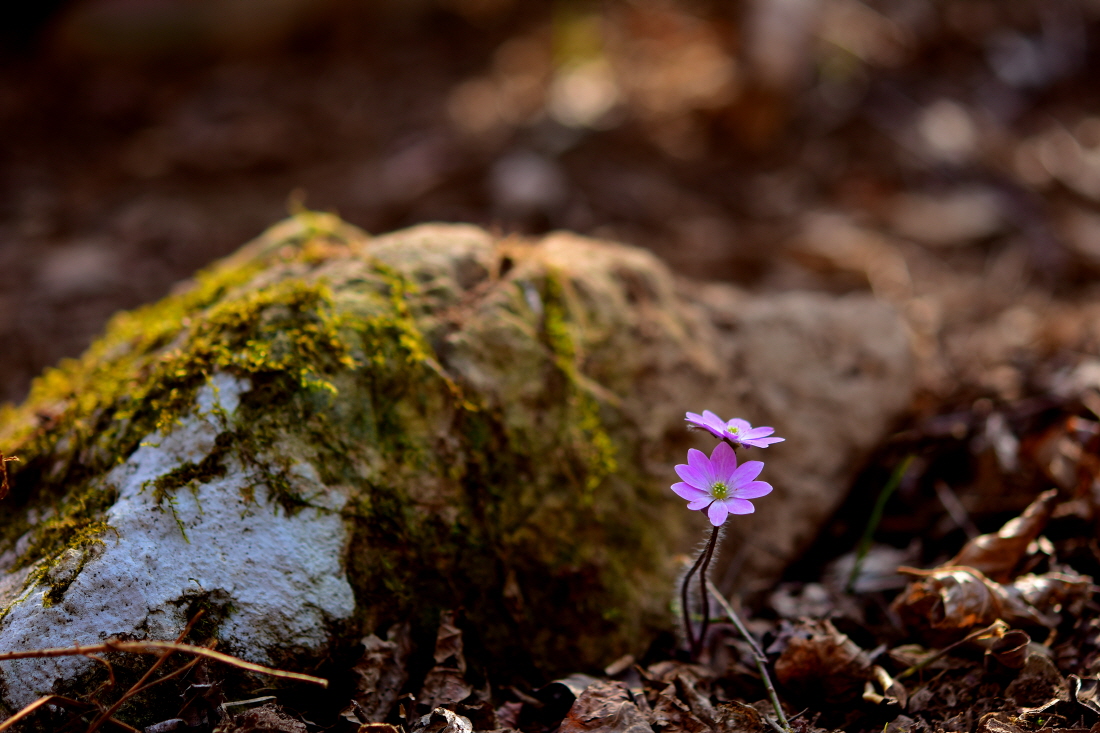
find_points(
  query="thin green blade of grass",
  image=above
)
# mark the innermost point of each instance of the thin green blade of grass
(873, 521)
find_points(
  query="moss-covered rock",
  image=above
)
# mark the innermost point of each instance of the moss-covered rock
(326, 433)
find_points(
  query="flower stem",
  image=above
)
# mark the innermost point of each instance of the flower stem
(695, 643)
(703, 583)
(685, 610)
(757, 653)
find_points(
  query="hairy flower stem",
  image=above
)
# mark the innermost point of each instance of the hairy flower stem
(703, 582)
(701, 562)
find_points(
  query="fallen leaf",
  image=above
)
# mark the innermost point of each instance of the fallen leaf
(997, 723)
(998, 555)
(697, 702)
(1009, 650)
(443, 686)
(377, 728)
(269, 718)
(737, 717)
(667, 671)
(559, 696)
(819, 661)
(481, 715)
(605, 707)
(442, 720)
(1038, 682)
(671, 715)
(448, 643)
(379, 676)
(949, 602)
(946, 603)
(446, 681)
(1082, 697)
(508, 714)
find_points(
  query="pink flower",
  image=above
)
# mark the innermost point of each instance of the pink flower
(737, 431)
(718, 484)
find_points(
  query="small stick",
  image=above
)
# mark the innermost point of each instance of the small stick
(56, 700)
(997, 627)
(757, 653)
(109, 712)
(159, 647)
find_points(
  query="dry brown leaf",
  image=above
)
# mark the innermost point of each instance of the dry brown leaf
(605, 707)
(1081, 698)
(448, 643)
(998, 555)
(697, 702)
(379, 676)
(997, 723)
(269, 717)
(446, 681)
(672, 715)
(737, 717)
(442, 720)
(443, 686)
(948, 602)
(378, 728)
(821, 661)
(667, 671)
(1064, 591)
(1038, 682)
(1009, 650)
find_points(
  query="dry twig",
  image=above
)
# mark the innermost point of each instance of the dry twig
(159, 647)
(163, 649)
(140, 685)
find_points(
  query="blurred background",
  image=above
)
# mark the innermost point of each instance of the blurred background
(944, 154)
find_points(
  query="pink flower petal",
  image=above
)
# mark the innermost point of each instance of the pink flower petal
(707, 421)
(739, 424)
(723, 462)
(752, 490)
(693, 475)
(739, 506)
(754, 433)
(718, 512)
(695, 418)
(762, 442)
(701, 465)
(746, 472)
(702, 503)
(689, 492)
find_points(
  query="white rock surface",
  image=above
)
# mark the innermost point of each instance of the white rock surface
(282, 573)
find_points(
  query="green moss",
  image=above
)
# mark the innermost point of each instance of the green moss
(596, 451)
(72, 527)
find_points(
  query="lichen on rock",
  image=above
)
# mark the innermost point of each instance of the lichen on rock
(327, 433)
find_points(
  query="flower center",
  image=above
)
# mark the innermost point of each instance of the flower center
(719, 490)
(732, 429)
